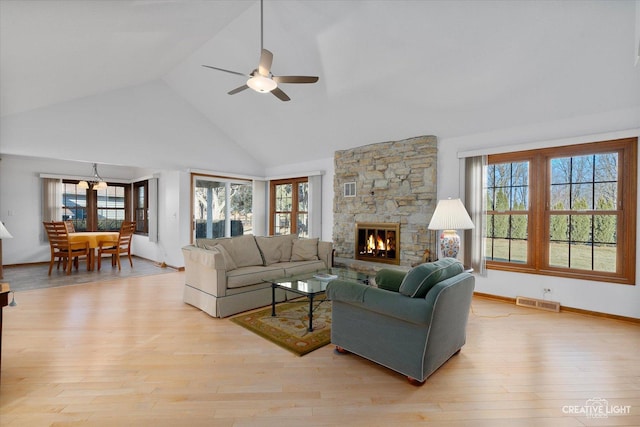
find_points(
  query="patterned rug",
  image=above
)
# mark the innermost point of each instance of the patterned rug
(289, 328)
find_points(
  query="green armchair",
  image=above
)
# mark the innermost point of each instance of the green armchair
(411, 323)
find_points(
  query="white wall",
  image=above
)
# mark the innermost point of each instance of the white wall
(21, 201)
(21, 208)
(119, 126)
(623, 300)
(173, 221)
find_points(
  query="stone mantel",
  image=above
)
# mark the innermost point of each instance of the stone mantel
(395, 182)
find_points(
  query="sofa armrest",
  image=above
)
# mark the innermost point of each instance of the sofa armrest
(381, 301)
(205, 270)
(325, 253)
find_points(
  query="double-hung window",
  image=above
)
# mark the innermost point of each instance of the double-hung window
(141, 206)
(289, 212)
(566, 211)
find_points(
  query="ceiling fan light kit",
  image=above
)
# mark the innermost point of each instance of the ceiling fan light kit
(261, 84)
(261, 79)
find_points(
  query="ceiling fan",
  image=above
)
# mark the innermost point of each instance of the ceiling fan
(262, 79)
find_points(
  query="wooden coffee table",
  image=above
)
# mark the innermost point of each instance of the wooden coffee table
(311, 285)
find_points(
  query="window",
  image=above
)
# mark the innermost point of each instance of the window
(289, 213)
(141, 206)
(95, 210)
(110, 204)
(74, 205)
(565, 211)
(222, 207)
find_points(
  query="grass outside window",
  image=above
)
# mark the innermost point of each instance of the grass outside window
(567, 211)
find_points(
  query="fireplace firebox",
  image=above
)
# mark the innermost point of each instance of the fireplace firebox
(378, 242)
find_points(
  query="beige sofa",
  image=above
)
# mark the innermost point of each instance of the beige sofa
(226, 276)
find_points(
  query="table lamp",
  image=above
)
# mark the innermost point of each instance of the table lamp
(4, 234)
(449, 216)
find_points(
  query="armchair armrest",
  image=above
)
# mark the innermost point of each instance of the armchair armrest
(390, 279)
(382, 301)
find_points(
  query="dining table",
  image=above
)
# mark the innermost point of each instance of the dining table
(93, 238)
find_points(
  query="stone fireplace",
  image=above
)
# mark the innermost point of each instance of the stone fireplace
(388, 183)
(378, 242)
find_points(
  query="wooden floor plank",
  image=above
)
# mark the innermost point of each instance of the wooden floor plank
(129, 351)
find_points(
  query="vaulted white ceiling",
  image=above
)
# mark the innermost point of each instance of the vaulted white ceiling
(83, 80)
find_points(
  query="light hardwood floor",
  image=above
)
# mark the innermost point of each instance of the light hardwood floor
(130, 352)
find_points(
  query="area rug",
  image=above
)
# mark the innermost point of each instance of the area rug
(288, 328)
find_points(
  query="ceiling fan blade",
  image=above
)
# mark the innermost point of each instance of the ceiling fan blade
(295, 79)
(238, 89)
(280, 94)
(266, 59)
(226, 71)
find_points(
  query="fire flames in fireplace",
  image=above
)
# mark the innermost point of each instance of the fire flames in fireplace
(378, 242)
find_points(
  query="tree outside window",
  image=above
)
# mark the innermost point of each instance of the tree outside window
(289, 213)
(567, 211)
(221, 205)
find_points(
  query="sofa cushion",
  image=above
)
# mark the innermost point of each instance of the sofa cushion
(245, 251)
(420, 279)
(302, 267)
(229, 263)
(247, 276)
(272, 248)
(304, 250)
(205, 243)
(210, 244)
(287, 246)
(224, 246)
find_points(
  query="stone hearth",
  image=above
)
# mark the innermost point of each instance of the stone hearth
(393, 182)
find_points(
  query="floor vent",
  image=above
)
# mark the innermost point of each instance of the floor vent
(538, 303)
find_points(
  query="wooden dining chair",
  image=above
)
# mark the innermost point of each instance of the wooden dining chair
(70, 229)
(117, 247)
(62, 249)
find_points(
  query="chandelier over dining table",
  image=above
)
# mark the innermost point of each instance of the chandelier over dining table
(97, 183)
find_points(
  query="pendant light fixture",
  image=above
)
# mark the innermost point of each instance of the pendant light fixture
(96, 184)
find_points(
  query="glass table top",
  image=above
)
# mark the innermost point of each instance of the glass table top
(316, 282)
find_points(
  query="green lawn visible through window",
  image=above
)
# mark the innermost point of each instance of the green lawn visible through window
(566, 211)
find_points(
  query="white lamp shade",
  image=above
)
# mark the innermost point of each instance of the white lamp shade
(100, 186)
(4, 233)
(450, 214)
